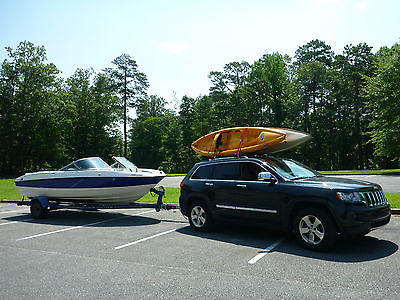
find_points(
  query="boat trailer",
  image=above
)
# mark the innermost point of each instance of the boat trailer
(41, 205)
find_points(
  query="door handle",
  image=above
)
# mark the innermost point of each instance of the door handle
(241, 185)
(209, 183)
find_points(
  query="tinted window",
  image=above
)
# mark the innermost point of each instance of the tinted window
(203, 172)
(226, 171)
(249, 171)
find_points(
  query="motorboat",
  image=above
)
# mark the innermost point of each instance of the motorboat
(91, 180)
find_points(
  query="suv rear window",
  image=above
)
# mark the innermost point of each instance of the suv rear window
(226, 171)
(203, 172)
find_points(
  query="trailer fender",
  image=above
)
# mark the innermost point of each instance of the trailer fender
(44, 201)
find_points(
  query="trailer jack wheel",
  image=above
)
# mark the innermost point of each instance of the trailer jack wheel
(37, 210)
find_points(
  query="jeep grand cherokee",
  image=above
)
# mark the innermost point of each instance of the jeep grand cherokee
(282, 193)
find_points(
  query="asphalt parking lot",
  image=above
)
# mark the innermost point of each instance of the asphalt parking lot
(139, 253)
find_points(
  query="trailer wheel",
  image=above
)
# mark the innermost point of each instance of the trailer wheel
(37, 210)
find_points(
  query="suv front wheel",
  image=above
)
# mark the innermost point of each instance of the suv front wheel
(199, 216)
(315, 229)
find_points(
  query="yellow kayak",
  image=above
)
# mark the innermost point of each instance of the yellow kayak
(238, 140)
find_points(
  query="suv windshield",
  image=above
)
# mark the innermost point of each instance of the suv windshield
(290, 169)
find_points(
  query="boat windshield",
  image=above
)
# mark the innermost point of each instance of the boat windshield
(290, 169)
(123, 163)
(86, 164)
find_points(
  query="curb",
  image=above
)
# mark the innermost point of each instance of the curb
(395, 211)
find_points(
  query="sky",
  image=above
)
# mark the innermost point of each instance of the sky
(177, 43)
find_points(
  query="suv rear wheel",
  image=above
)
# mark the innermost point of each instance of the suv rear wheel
(315, 229)
(199, 216)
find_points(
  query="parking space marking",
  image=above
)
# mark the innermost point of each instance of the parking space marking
(13, 222)
(264, 252)
(13, 211)
(81, 226)
(148, 238)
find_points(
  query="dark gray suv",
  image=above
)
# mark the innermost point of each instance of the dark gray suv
(284, 194)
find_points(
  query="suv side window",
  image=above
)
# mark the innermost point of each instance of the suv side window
(226, 171)
(203, 172)
(249, 171)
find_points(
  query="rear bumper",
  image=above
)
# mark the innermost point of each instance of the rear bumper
(361, 220)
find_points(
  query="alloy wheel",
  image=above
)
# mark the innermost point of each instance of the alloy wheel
(198, 216)
(311, 230)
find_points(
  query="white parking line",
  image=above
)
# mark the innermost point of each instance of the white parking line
(264, 252)
(13, 222)
(13, 211)
(148, 238)
(80, 226)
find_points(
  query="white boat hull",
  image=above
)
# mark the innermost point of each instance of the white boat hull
(111, 195)
(95, 185)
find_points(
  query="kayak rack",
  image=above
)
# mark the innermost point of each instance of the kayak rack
(41, 205)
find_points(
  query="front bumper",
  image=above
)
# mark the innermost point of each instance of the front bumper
(361, 220)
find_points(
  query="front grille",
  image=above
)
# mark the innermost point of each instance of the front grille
(374, 198)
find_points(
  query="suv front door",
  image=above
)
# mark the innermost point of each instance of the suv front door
(254, 199)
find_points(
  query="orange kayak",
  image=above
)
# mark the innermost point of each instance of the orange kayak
(231, 141)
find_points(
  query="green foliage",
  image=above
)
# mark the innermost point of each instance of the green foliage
(348, 102)
(45, 122)
(131, 86)
(266, 91)
(93, 115)
(383, 90)
(29, 109)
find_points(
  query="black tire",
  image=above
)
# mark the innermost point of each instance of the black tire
(315, 229)
(37, 211)
(199, 216)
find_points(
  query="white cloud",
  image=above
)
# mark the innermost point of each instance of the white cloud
(323, 2)
(173, 47)
(361, 4)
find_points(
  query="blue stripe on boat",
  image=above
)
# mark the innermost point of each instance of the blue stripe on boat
(89, 182)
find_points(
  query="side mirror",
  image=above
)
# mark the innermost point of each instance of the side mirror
(266, 176)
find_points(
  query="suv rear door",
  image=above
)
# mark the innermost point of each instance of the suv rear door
(224, 180)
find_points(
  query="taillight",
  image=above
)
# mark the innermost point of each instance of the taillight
(181, 185)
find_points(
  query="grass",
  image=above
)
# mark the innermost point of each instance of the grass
(394, 199)
(172, 175)
(8, 191)
(171, 196)
(362, 172)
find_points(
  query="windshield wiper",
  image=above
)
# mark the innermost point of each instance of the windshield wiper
(303, 177)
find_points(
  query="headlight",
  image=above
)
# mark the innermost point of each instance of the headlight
(353, 197)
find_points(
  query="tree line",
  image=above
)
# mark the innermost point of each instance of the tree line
(348, 102)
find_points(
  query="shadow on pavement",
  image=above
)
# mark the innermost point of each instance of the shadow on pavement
(367, 248)
(82, 218)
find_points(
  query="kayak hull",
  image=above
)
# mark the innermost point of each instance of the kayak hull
(246, 140)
